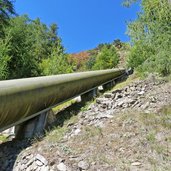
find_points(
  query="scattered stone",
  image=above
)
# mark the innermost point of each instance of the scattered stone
(77, 131)
(41, 159)
(131, 101)
(116, 91)
(139, 96)
(136, 164)
(83, 165)
(108, 95)
(70, 124)
(120, 103)
(145, 106)
(39, 163)
(153, 99)
(45, 168)
(30, 162)
(141, 92)
(118, 96)
(61, 167)
(100, 100)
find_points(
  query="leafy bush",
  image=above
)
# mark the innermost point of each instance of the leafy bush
(56, 64)
(91, 62)
(139, 54)
(107, 58)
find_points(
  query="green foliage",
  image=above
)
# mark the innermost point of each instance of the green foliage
(127, 3)
(30, 48)
(106, 55)
(22, 62)
(91, 62)
(3, 138)
(139, 54)
(151, 37)
(56, 64)
(118, 43)
(6, 10)
(107, 58)
(4, 58)
(102, 45)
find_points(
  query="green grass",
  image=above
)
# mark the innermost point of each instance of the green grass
(92, 131)
(151, 137)
(158, 125)
(155, 126)
(87, 104)
(3, 138)
(57, 134)
(161, 119)
(130, 79)
(63, 105)
(104, 159)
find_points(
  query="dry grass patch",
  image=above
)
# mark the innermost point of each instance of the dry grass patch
(130, 79)
(57, 134)
(128, 141)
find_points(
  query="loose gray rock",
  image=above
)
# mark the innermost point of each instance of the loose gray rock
(120, 103)
(45, 168)
(61, 167)
(136, 164)
(77, 131)
(118, 96)
(39, 163)
(100, 100)
(108, 95)
(116, 91)
(141, 92)
(41, 159)
(83, 165)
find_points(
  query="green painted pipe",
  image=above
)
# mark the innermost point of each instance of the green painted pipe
(22, 99)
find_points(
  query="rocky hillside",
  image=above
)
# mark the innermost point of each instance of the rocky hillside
(127, 128)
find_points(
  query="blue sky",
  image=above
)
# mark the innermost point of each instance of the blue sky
(83, 24)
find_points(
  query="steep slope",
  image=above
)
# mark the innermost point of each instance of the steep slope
(127, 128)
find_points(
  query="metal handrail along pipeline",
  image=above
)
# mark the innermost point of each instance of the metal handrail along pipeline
(23, 99)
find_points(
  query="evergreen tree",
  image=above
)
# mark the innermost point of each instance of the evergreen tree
(6, 11)
(4, 57)
(26, 44)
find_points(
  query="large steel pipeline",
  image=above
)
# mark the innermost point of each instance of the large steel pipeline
(23, 99)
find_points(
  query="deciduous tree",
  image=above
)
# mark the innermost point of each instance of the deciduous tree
(151, 37)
